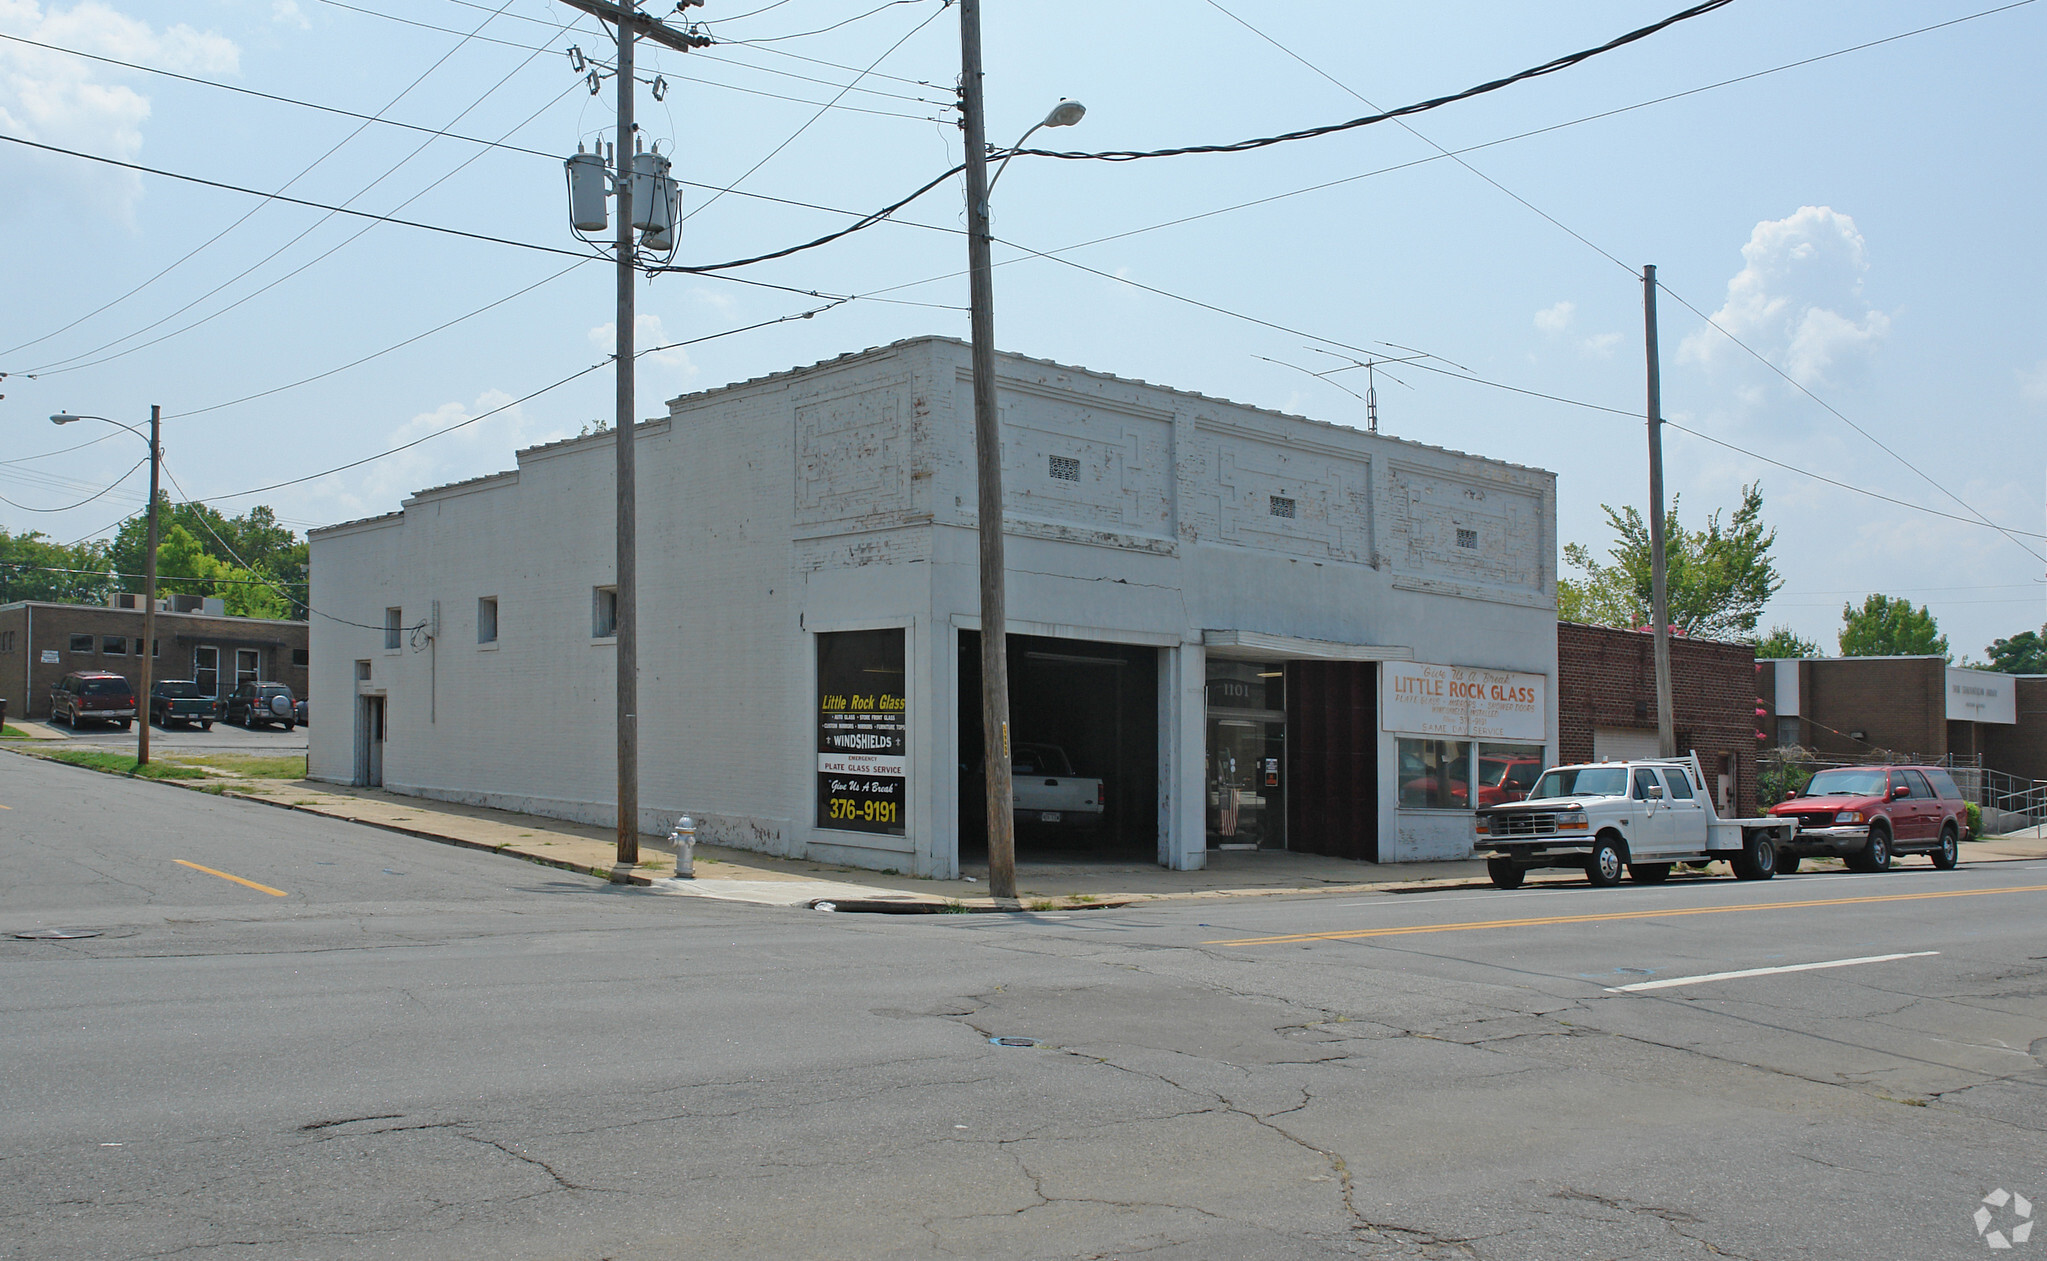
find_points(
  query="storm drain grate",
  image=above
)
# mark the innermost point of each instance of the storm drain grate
(59, 934)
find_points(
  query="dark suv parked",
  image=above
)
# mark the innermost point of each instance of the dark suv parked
(93, 696)
(261, 704)
(1864, 815)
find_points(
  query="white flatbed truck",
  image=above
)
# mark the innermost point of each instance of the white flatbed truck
(1635, 818)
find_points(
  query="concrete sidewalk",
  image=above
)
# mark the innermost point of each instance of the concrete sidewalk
(745, 876)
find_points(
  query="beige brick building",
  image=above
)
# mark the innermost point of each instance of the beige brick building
(41, 642)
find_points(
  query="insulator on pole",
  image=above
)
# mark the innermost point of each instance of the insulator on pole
(653, 194)
(587, 191)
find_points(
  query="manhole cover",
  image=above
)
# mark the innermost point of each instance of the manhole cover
(59, 934)
(1014, 1041)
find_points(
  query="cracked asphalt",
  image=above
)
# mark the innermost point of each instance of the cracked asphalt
(418, 1051)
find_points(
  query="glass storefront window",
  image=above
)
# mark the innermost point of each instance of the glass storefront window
(1507, 771)
(1246, 754)
(1435, 774)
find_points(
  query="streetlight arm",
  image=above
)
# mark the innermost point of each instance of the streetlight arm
(65, 418)
(1004, 164)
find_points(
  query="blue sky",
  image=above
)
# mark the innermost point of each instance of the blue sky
(1868, 223)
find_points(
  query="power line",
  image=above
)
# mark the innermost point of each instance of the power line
(115, 573)
(822, 30)
(355, 363)
(88, 499)
(51, 370)
(1498, 385)
(1588, 243)
(25, 459)
(303, 172)
(820, 114)
(555, 385)
(1308, 133)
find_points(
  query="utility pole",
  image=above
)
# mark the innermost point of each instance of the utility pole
(148, 584)
(1659, 596)
(988, 469)
(630, 24)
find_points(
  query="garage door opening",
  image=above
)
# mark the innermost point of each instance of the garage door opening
(1079, 710)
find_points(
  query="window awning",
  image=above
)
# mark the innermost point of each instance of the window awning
(1262, 645)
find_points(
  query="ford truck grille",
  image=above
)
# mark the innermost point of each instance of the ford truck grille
(1523, 825)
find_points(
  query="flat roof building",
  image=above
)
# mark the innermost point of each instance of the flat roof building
(1255, 630)
(41, 641)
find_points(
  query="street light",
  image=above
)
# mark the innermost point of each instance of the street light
(148, 565)
(1065, 114)
(1001, 803)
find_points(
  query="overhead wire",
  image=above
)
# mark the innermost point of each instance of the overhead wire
(907, 36)
(63, 366)
(88, 499)
(1475, 379)
(307, 169)
(1551, 66)
(1981, 518)
(824, 30)
(27, 459)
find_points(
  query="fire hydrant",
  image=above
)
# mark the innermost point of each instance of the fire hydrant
(684, 838)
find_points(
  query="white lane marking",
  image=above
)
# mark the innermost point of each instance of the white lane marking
(1639, 986)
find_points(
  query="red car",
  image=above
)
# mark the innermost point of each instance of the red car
(93, 696)
(1865, 815)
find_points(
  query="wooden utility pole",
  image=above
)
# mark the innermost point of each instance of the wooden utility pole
(630, 24)
(1659, 596)
(988, 467)
(148, 586)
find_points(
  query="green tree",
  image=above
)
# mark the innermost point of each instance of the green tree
(2023, 653)
(32, 567)
(1717, 579)
(254, 546)
(1782, 641)
(1887, 626)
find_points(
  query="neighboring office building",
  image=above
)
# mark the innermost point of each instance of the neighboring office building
(1920, 707)
(1258, 630)
(41, 642)
(1606, 707)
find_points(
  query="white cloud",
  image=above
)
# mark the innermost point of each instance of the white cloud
(1798, 300)
(1601, 344)
(63, 100)
(1555, 319)
(289, 13)
(476, 450)
(2033, 382)
(647, 331)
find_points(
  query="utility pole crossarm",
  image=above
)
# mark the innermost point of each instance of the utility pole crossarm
(641, 24)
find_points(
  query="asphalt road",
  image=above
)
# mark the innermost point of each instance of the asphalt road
(264, 741)
(395, 1049)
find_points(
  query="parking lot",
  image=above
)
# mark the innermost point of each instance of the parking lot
(268, 741)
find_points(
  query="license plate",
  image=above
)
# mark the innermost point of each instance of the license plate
(1049, 816)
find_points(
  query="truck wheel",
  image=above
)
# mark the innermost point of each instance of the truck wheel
(1874, 856)
(1649, 873)
(1605, 865)
(205, 726)
(1757, 859)
(1950, 852)
(1506, 873)
(1787, 864)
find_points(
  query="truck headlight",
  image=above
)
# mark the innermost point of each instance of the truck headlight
(1848, 816)
(1483, 827)
(1572, 821)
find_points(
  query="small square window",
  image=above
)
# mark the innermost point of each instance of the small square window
(1064, 468)
(394, 628)
(114, 645)
(603, 612)
(301, 656)
(1282, 506)
(362, 671)
(487, 619)
(1468, 538)
(81, 643)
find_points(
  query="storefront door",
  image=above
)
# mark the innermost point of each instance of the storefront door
(1246, 755)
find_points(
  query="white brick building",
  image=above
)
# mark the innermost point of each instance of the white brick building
(1258, 630)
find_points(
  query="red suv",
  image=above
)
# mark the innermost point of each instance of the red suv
(93, 696)
(1864, 815)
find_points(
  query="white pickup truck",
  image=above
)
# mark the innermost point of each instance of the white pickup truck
(1048, 792)
(1607, 817)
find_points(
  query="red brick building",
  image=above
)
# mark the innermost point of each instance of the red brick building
(1918, 707)
(1606, 704)
(42, 642)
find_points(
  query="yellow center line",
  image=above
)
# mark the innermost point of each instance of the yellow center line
(1355, 933)
(260, 888)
